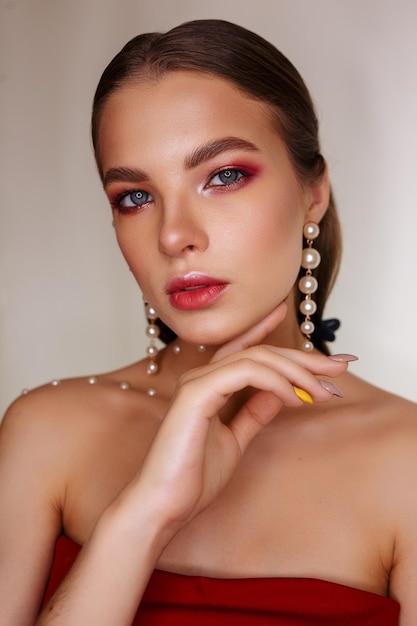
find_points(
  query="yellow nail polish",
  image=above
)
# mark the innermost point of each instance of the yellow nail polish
(303, 395)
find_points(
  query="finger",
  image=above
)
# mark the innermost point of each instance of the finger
(292, 365)
(208, 390)
(254, 335)
(316, 363)
(256, 413)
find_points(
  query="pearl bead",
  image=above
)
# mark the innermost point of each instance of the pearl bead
(311, 230)
(151, 391)
(92, 380)
(152, 350)
(308, 284)
(55, 382)
(310, 258)
(308, 307)
(124, 386)
(176, 349)
(307, 327)
(152, 368)
(308, 346)
(152, 331)
(201, 348)
(150, 312)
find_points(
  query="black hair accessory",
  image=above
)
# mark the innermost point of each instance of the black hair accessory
(325, 331)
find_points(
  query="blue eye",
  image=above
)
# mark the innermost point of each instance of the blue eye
(131, 201)
(134, 199)
(227, 176)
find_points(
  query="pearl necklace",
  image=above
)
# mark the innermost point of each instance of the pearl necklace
(153, 368)
(91, 380)
(124, 385)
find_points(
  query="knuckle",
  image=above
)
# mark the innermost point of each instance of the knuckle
(245, 362)
(257, 352)
(183, 379)
(184, 383)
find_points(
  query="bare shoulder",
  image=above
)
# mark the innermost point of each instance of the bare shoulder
(393, 431)
(66, 450)
(60, 423)
(386, 425)
(392, 462)
(375, 452)
(60, 406)
(69, 446)
(374, 437)
(383, 411)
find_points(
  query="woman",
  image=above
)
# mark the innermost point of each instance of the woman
(240, 475)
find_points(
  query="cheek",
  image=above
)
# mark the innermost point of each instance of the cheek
(136, 254)
(125, 245)
(274, 237)
(274, 248)
(276, 263)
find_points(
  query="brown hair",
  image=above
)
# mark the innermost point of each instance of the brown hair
(257, 68)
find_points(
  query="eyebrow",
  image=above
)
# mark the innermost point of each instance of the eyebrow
(199, 155)
(213, 148)
(124, 174)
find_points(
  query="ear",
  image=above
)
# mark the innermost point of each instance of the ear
(318, 194)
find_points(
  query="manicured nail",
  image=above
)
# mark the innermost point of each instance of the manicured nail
(328, 386)
(303, 395)
(343, 358)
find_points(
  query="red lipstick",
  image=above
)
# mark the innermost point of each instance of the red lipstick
(194, 291)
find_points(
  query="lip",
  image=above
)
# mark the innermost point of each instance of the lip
(194, 291)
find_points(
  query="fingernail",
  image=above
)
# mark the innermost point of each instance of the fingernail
(303, 395)
(343, 358)
(328, 386)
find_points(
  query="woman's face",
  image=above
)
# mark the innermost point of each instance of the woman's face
(207, 207)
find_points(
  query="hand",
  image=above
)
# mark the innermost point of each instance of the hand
(194, 453)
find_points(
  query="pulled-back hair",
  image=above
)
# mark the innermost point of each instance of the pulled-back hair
(257, 68)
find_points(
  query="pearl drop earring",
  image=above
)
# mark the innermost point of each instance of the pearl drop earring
(308, 284)
(152, 331)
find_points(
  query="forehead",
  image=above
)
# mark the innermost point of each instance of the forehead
(179, 111)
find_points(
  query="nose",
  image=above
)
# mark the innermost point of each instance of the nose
(181, 229)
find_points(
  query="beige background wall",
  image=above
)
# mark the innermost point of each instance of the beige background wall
(68, 303)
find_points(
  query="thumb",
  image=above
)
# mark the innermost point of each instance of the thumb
(256, 413)
(254, 335)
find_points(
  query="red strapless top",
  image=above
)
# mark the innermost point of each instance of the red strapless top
(177, 600)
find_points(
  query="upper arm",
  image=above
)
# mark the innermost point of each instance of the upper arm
(401, 502)
(30, 509)
(403, 581)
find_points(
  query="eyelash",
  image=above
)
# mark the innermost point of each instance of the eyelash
(116, 204)
(244, 175)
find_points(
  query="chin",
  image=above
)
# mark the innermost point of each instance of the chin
(197, 334)
(213, 335)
